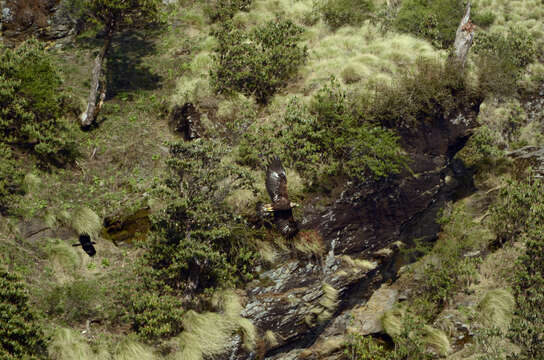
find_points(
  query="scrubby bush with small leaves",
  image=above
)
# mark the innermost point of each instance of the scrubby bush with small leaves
(21, 335)
(256, 62)
(11, 179)
(337, 13)
(481, 150)
(32, 104)
(222, 10)
(433, 90)
(435, 20)
(501, 58)
(154, 317)
(518, 215)
(326, 139)
(198, 242)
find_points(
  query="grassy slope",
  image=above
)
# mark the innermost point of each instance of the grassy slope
(125, 155)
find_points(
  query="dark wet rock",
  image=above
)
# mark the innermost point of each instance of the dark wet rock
(185, 120)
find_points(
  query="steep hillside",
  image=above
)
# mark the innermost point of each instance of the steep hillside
(419, 182)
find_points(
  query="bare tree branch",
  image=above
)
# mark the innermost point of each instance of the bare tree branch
(464, 37)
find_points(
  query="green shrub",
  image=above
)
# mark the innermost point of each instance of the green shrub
(11, 179)
(435, 20)
(256, 62)
(519, 215)
(432, 91)
(75, 301)
(501, 58)
(31, 103)
(518, 210)
(21, 336)
(198, 242)
(222, 10)
(337, 13)
(481, 150)
(325, 140)
(155, 316)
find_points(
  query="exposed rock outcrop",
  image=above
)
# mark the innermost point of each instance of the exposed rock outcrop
(361, 230)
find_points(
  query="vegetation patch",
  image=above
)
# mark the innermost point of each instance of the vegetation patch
(344, 12)
(21, 334)
(256, 62)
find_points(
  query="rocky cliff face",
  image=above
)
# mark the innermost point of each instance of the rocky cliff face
(301, 306)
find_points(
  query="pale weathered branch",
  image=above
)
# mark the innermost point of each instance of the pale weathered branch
(464, 37)
(98, 86)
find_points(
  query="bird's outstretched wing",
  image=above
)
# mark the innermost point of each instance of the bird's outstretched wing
(276, 181)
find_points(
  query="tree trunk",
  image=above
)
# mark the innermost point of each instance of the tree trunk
(98, 83)
(464, 38)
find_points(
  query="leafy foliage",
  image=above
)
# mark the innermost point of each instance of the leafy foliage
(21, 336)
(257, 62)
(198, 242)
(326, 139)
(222, 10)
(435, 20)
(74, 301)
(502, 57)
(31, 103)
(519, 215)
(11, 179)
(481, 149)
(115, 13)
(155, 316)
(338, 13)
(432, 91)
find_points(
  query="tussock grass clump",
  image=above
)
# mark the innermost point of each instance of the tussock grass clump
(132, 350)
(496, 308)
(392, 322)
(86, 221)
(309, 242)
(64, 257)
(436, 340)
(270, 338)
(208, 334)
(359, 263)
(31, 182)
(69, 344)
(364, 55)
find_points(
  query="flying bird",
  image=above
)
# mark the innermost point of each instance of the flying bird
(87, 245)
(276, 185)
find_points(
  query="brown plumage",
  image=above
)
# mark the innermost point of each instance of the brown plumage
(276, 185)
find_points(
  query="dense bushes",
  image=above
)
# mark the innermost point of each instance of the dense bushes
(518, 215)
(431, 91)
(221, 10)
(155, 316)
(502, 57)
(436, 20)
(326, 139)
(11, 179)
(31, 103)
(198, 243)
(338, 13)
(21, 337)
(256, 62)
